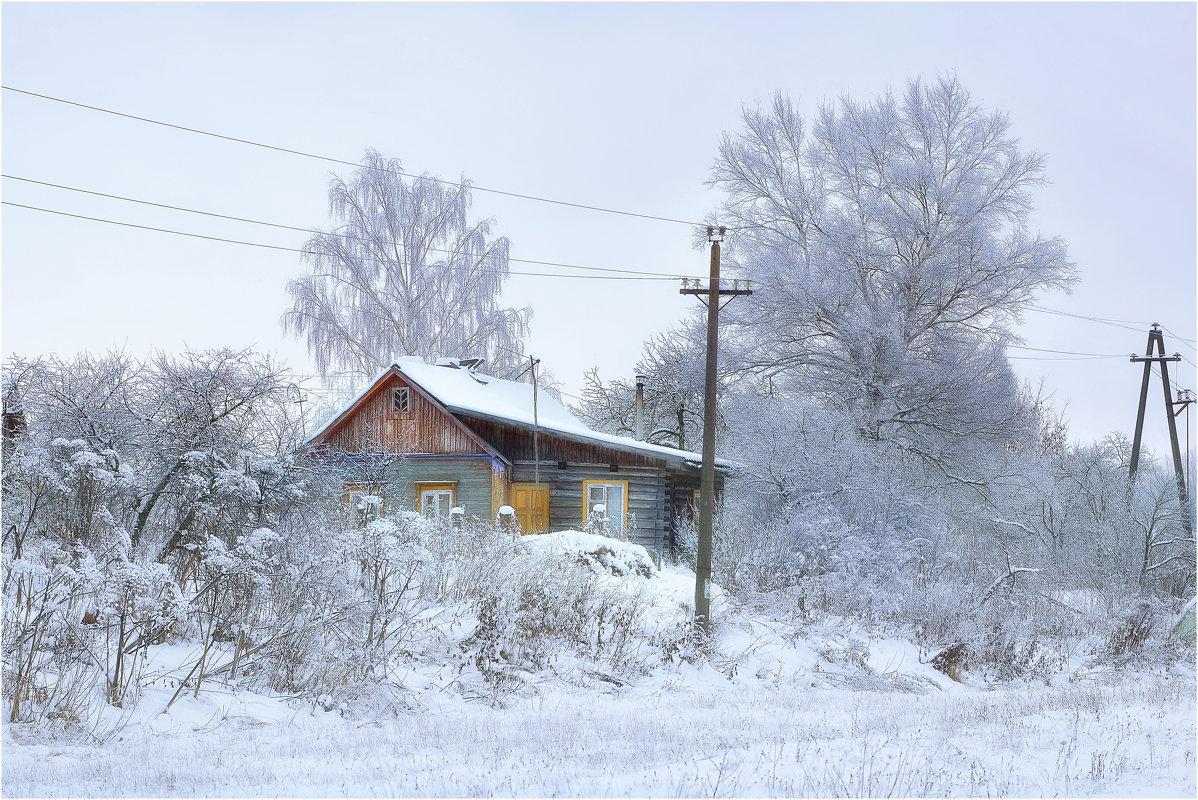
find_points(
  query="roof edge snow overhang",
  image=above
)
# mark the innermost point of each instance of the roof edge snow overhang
(681, 459)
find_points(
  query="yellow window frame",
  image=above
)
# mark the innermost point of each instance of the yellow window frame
(436, 486)
(586, 491)
(375, 489)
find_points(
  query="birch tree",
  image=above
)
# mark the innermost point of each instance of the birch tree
(402, 271)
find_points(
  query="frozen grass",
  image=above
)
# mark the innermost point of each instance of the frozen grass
(775, 705)
(691, 734)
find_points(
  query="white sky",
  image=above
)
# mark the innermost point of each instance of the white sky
(616, 105)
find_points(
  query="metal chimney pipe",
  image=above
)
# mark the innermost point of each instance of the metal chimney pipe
(640, 407)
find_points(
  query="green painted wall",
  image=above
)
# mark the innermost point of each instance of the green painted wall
(471, 476)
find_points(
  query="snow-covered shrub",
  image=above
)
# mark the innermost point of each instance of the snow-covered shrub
(77, 628)
(42, 614)
(597, 553)
(136, 497)
(548, 605)
(310, 636)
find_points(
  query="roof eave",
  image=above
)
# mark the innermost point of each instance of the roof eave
(678, 461)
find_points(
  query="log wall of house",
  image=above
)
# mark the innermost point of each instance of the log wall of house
(646, 496)
(680, 493)
(375, 428)
(517, 444)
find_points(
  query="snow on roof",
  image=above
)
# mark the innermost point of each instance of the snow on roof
(464, 391)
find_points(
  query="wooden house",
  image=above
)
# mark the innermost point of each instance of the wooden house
(444, 436)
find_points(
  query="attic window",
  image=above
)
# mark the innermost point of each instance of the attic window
(401, 400)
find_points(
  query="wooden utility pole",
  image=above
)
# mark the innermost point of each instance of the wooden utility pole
(1157, 338)
(536, 445)
(707, 476)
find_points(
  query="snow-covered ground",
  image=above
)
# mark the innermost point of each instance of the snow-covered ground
(777, 710)
(690, 734)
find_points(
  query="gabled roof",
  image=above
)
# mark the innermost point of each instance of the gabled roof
(362, 396)
(462, 391)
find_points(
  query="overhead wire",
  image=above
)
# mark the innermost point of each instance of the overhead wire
(1173, 384)
(1188, 342)
(1063, 358)
(297, 250)
(413, 176)
(1118, 323)
(345, 162)
(151, 228)
(638, 275)
(643, 274)
(1113, 323)
(654, 275)
(315, 231)
(1066, 352)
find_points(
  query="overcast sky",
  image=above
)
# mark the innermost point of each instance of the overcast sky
(614, 105)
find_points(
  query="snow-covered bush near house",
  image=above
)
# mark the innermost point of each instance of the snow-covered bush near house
(601, 554)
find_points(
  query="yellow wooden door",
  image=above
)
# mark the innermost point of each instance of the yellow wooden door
(532, 506)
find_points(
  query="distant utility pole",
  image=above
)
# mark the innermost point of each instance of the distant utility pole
(639, 427)
(707, 476)
(1185, 399)
(1157, 339)
(299, 401)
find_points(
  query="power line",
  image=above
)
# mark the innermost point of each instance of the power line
(650, 275)
(523, 356)
(1189, 342)
(1099, 320)
(1172, 383)
(1066, 352)
(1117, 323)
(320, 232)
(296, 250)
(160, 205)
(1035, 307)
(348, 163)
(637, 276)
(313, 231)
(151, 228)
(1064, 358)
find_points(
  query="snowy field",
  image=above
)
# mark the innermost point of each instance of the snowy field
(776, 709)
(694, 734)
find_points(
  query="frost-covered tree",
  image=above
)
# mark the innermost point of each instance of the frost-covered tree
(126, 487)
(672, 364)
(117, 453)
(403, 272)
(891, 244)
